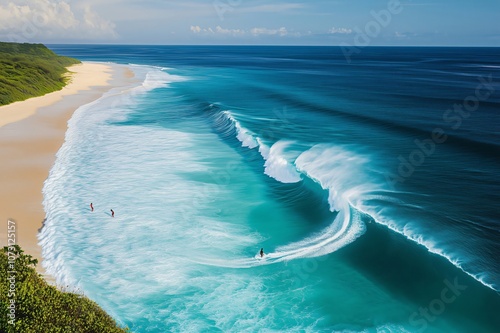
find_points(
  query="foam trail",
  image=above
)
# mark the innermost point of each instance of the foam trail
(347, 226)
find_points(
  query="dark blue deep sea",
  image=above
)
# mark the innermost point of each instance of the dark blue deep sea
(372, 186)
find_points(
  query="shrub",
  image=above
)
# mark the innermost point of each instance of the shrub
(40, 307)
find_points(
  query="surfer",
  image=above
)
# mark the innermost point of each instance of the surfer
(91, 207)
(261, 252)
(112, 213)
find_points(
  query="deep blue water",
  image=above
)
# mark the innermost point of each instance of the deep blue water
(373, 187)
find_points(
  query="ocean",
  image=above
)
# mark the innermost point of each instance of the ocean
(372, 186)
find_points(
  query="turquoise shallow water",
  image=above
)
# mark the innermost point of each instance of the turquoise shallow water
(224, 150)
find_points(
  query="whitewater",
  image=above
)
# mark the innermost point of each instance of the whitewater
(200, 180)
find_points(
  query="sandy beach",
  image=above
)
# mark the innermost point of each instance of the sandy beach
(31, 133)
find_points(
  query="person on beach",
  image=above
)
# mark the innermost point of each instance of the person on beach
(112, 213)
(91, 207)
(262, 252)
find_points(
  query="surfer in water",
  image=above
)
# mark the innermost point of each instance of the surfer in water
(91, 207)
(261, 252)
(112, 213)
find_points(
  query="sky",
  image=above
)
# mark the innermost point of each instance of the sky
(253, 22)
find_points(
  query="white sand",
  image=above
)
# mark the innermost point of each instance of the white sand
(82, 77)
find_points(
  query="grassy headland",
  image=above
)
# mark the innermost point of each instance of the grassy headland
(29, 304)
(30, 70)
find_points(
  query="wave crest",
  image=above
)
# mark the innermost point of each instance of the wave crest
(276, 166)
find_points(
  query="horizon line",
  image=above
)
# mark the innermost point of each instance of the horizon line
(272, 45)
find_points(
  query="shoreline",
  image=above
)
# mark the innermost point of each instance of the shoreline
(31, 133)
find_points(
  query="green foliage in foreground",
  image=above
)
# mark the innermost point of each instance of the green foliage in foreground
(40, 307)
(29, 70)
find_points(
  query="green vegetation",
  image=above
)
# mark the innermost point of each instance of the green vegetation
(40, 307)
(29, 70)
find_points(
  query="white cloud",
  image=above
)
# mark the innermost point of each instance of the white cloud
(264, 31)
(196, 29)
(240, 32)
(345, 31)
(32, 20)
(218, 30)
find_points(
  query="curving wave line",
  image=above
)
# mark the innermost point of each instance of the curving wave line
(335, 168)
(351, 184)
(275, 166)
(344, 229)
(245, 136)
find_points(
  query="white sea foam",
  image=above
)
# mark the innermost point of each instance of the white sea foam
(87, 130)
(245, 136)
(276, 166)
(160, 79)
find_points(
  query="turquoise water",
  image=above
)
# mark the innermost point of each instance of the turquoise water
(220, 151)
